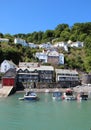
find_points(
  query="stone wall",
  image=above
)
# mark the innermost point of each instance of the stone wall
(57, 85)
(86, 79)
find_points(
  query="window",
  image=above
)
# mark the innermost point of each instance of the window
(5, 68)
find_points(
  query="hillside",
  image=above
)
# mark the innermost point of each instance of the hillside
(75, 59)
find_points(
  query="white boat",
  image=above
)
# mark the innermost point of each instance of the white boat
(30, 95)
(68, 95)
(57, 95)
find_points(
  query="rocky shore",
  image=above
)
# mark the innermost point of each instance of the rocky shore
(83, 88)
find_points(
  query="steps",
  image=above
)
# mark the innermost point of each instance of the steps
(5, 91)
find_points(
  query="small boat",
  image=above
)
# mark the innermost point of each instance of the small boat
(82, 96)
(68, 95)
(30, 95)
(57, 95)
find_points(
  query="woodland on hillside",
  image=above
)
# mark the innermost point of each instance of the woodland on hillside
(79, 59)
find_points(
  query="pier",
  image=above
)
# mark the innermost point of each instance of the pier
(5, 91)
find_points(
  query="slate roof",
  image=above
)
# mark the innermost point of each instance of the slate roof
(10, 73)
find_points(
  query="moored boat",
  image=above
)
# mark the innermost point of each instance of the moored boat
(82, 96)
(57, 95)
(68, 95)
(30, 95)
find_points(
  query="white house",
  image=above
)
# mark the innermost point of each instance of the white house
(61, 58)
(77, 44)
(20, 41)
(4, 40)
(42, 56)
(55, 57)
(66, 75)
(50, 57)
(61, 45)
(53, 53)
(6, 65)
(47, 45)
(32, 45)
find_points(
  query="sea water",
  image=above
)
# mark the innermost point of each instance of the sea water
(45, 114)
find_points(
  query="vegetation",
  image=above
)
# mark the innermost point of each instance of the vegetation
(75, 59)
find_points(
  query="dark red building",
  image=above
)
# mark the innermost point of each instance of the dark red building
(9, 78)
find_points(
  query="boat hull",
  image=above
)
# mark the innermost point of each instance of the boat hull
(70, 98)
(31, 98)
(30, 95)
(56, 98)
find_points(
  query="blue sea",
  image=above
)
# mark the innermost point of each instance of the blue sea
(45, 114)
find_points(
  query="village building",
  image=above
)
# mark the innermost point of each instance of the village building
(55, 58)
(61, 58)
(26, 75)
(6, 65)
(50, 56)
(20, 41)
(67, 78)
(34, 74)
(77, 44)
(9, 78)
(42, 56)
(62, 45)
(32, 45)
(4, 40)
(47, 45)
(45, 74)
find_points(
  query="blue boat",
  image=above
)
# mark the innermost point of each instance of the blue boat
(57, 95)
(30, 95)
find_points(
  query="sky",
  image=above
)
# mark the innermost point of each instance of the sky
(27, 16)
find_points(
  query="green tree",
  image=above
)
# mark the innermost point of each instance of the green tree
(82, 37)
(65, 35)
(87, 63)
(87, 42)
(1, 35)
(62, 27)
(73, 37)
(57, 33)
(48, 36)
(10, 37)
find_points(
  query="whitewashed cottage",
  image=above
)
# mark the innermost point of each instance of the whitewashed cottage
(6, 65)
(20, 41)
(42, 56)
(61, 45)
(32, 45)
(77, 44)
